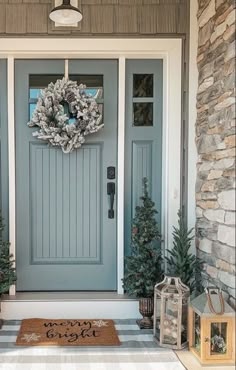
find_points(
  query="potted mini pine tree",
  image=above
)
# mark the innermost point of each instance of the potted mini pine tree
(143, 268)
(7, 269)
(181, 262)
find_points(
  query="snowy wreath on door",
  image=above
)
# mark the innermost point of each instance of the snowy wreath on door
(65, 115)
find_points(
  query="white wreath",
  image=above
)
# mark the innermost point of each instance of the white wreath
(65, 114)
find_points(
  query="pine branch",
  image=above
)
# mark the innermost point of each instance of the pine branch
(7, 269)
(181, 261)
(143, 269)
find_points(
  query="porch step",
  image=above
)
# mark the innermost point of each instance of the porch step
(69, 305)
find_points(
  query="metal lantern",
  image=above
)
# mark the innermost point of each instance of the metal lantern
(171, 296)
(212, 329)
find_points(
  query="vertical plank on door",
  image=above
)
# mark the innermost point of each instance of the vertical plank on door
(142, 167)
(66, 204)
(72, 200)
(86, 202)
(37, 172)
(94, 188)
(52, 203)
(59, 213)
(46, 201)
(79, 204)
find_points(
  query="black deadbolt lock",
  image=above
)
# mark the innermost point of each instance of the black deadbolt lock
(111, 173)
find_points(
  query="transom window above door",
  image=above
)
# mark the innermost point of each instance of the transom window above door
(94, 88)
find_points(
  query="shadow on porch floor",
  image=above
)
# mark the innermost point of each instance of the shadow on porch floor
(191, 363)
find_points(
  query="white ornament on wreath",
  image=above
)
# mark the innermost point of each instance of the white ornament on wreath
(65, 114)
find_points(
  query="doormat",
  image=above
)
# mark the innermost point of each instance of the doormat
(45, 332)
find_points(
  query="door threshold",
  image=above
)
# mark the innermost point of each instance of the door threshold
(68, 305)
(66, 296)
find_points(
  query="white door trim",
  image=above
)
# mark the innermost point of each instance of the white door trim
(121, 175)
(11, 158)
(170, 50)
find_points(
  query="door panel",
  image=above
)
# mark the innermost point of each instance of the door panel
(66, 235)
(65, 240)
(143, 136)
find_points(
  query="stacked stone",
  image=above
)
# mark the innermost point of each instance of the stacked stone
(215, 139)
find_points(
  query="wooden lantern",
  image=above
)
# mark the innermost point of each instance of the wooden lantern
(212, 329)
(170, 330)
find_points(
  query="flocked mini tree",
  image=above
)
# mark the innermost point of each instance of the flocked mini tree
(7, 269)
(180, 261)
(143, 268)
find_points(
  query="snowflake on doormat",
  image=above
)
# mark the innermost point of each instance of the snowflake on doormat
(31, 337)
(100, 323)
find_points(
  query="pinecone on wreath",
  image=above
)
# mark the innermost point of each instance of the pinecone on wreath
(135, 231)
(70, 97)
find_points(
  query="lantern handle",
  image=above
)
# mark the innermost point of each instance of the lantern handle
(221, 299)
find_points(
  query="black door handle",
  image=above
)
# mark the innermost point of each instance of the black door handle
(111, 192)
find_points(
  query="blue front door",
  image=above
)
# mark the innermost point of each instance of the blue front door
(64, 237)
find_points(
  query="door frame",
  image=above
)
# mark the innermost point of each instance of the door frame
(170, 51)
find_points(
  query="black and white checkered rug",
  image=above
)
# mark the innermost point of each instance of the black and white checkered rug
(137, 351)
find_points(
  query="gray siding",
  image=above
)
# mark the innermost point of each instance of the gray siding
(100, 17)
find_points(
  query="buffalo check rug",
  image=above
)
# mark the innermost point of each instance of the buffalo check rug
(137, 351)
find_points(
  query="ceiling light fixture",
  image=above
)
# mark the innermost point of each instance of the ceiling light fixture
(65, 14)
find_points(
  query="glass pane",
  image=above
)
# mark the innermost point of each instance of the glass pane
(41, 81)
(94, 84)
(142, 85)
(197, 332)
(158, 319)
(38, 82)
(218, 338)
(34, 93)
(170, 322)
(184, 323)
(31, 110)
(95, 93)
(143, 114)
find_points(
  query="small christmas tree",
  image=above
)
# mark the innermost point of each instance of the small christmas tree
(181, 262)
(143, 269)
(7, 269)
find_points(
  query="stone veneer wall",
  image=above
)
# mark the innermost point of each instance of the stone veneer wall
(215, 138)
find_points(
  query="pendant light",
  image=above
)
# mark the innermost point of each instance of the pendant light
(65, 14)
